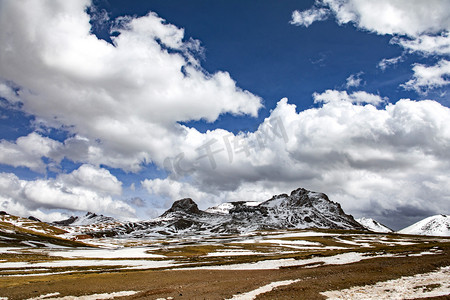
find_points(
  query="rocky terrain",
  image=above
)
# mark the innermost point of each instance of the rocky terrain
(300, 210)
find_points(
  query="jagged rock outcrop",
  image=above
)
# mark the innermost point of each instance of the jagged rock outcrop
(34, 219)
(186, 205)
(66, 222)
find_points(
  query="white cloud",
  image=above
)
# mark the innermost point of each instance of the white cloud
(404, 17)
(27, 151)
(354, 80)
(96, 179)
(117, 98)
(307, 17)
(86, 189)
(171, 190)
(7, 92)
(359, 97)
(386, 62)
(428, 77)
(426, 44)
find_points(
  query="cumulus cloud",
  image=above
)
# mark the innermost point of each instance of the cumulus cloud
(93, 178)
(426, 44)
(119, 97)
(404, 17)
(170, 189)
(27, 151)
(359, 97)
(429, 77)
(307, 17)
(86, 189)
(417, 26)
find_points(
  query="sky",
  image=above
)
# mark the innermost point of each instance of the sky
(121, 108)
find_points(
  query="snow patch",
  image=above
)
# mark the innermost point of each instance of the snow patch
(264, 289)
(233, 253)
(339, 259)
(223, 208)
(279, 242)
(127, 264)
(433, 284)
(86, 297)
(106, 253)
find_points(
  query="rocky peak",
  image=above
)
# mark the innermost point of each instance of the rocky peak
(90, 215)
(186, 205)
(298, 192)
(66, 222)
(34, 219)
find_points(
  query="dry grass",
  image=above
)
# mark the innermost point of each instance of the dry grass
(207, 284)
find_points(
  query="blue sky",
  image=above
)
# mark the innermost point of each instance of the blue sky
(112, 106)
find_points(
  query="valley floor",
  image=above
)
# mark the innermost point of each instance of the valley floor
(295, 264)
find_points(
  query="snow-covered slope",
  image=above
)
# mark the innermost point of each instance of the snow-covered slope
(373, 225)
(88, 219)
(19, 232)
(225, 208)
(438, 225)
(301, 209)
(10, 222)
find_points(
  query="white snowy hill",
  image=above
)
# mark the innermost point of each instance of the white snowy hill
(438, 225)
(88, 219)
(373, 225)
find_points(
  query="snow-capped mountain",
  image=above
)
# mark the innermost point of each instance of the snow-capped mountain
(373, 225)
(301, 209)
(88, 219)
(438, 225)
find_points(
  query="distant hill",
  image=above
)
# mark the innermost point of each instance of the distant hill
(17, 231)
(373, 225)
(438, 225)
(88, 219)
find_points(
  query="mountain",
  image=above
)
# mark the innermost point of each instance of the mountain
(301, 209)
(373, 225)
(88, 219)
(438, 225)
(17, 231)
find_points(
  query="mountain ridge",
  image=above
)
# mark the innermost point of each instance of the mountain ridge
(88, 219)
(300, 210)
